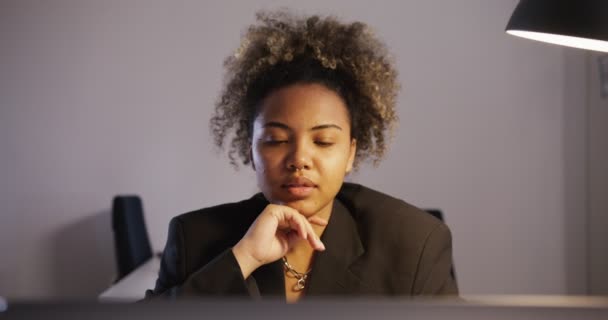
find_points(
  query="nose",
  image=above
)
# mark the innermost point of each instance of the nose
(299, 157)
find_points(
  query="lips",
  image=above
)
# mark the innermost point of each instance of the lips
(299, 182)
(299, 187)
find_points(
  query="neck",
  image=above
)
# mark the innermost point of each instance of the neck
(301, 253)
(324, 213)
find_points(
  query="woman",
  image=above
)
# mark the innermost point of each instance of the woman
(307, 100)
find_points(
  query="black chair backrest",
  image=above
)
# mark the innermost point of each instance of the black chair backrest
(436, 213)
(130, 235)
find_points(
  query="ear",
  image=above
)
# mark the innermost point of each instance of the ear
(351, 156)
(251, 158)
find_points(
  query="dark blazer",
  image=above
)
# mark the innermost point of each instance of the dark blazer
(375, 245)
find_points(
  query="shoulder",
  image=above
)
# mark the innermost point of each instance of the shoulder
(367, 203)
(198, 236)
(379, 215)
(225, 212)
(218, 221)
(399, 239)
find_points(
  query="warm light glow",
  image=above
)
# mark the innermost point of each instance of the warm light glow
(581, 43)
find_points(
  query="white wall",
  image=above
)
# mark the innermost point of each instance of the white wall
(106, 97)
(598, 176)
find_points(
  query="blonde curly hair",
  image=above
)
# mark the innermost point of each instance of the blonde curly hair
(282, 49)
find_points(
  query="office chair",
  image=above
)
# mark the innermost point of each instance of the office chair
(130, 235)
(439, 215)
(436, 213)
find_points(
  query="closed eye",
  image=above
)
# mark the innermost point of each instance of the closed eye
(275, 142)
(324, 143)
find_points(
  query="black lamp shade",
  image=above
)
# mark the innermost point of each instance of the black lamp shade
(575, 23)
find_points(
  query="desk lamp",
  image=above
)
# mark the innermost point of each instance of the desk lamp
(573, 23)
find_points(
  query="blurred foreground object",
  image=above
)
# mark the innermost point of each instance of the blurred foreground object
(475, 308)
(2, 304)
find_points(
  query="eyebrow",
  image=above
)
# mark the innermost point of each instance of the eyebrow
(274, 124)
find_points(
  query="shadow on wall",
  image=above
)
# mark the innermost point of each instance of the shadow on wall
(84, 263)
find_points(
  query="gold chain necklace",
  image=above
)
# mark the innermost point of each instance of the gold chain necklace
(301, 284)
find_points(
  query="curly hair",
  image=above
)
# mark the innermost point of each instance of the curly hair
(282, 49)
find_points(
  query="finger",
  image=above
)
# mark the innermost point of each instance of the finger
(301, 225)
(292, 219)
(316, 243)
(313, 239)
(318, 221)
(292, 239)
(284, 240)
(294, 222)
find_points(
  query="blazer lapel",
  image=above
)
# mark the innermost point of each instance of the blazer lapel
(331, 272)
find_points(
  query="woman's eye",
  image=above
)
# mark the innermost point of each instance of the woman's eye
(324, 143)
(273, 142)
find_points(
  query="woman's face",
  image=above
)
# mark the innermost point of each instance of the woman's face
(302, 147)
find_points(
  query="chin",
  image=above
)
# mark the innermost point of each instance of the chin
(304, 207)
(307, 208)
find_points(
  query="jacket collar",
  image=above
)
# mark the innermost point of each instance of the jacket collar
(334, 270)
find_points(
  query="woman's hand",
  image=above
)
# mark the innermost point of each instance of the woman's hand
(271, 235)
